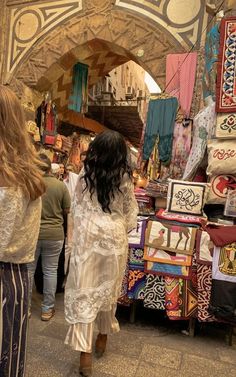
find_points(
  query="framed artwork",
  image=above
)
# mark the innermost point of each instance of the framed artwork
(171, 237)
(186, 197)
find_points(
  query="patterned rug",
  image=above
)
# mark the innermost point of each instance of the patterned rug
(136, 285)
(181, 297)
(169, 257)
(226, 77)
(154, 293)
(136, 261)
(164, 269)
(204, 284)
(171, 236)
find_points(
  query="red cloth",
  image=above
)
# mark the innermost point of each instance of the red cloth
(221, 235)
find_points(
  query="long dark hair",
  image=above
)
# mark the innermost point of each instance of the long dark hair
(105, 165)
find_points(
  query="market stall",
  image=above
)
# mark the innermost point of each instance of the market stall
(182, 256)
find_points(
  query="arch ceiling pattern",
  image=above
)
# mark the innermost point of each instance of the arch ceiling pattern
(46, 38)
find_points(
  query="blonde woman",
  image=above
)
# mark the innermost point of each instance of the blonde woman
(21, 186)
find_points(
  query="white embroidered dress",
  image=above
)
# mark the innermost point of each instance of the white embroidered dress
(99, 252)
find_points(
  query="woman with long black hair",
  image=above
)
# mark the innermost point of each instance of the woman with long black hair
(104, 211)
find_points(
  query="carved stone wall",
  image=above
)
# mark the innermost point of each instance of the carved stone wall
(45, 38)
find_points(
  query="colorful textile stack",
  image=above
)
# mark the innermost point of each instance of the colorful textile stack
(145, 202)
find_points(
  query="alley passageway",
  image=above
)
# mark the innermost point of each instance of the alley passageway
(138, 350)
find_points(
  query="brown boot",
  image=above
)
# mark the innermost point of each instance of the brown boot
(85, 368)
(100, 345)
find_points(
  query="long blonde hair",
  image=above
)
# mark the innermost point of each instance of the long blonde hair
(19, 163)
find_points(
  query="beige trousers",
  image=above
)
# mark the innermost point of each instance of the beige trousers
(80, 335)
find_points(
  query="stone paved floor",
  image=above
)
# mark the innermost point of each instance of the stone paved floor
(151, 347)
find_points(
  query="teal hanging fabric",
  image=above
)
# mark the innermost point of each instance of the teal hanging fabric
(79, 93)
(160, 125)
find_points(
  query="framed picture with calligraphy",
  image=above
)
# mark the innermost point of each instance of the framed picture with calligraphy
(186, 197)
(221, 157)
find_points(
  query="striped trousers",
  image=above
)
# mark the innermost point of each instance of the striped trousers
(14, 300)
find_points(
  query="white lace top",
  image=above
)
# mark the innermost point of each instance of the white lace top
(99, 252)
(19, 226)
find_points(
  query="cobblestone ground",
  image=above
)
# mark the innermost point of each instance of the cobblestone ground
(152, 347)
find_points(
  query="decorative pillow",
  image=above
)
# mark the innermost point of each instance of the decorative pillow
(186, 197)
(171, 237)
(219, 186)
(221, 157)
(230, 205)
(226, 126)
(204, 248)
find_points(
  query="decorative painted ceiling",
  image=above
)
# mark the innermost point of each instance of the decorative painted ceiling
(43, 35)
(100, 58)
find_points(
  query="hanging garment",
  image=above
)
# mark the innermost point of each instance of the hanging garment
(180, 151)
(211, 58)
(223, 293)
(180, 78)
(160, 124)
(78, 97)
(203, 129)
(221, 235)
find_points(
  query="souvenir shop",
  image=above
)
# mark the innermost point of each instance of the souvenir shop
(182, 256)
(62, 140)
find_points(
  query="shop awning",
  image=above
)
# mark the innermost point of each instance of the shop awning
(71, 121)
(124, 119)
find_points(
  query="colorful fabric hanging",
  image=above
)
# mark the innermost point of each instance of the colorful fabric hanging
(79, 95)
(136, 285)
(223, 293)
(226, 73)
(211, 58)
(204, 284)
(160, 125)
(180, 151)
(203, 129)
(154, 292)
(180, 78)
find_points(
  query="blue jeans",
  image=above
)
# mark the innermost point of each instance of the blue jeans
(50, 252)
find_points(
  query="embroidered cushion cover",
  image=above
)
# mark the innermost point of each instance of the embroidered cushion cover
(221, 157)
(175, 237)
(219, 186)
(226, 126)
(186, 197)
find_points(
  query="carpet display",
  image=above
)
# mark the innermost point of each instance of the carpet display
(226, 75)
(154, 293)
(136, 284)
(168, 236)
(170, 257)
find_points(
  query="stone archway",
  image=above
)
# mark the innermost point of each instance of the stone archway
(124, 33)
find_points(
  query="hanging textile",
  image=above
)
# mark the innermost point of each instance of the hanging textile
(46, 118)
(136, 285)
(180, 151)
(204, 285)
(154, 292)
(226, 73)
(211, 58)
(79, 95)
(223, 293)
(160, 125)
(203, 129)
(180, 78)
